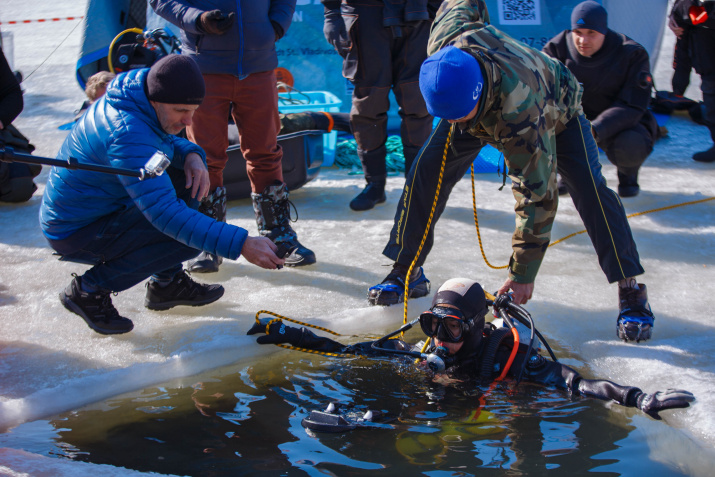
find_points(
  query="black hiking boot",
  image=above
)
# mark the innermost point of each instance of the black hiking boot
(371, 195)
(705, 156)
(181, 291)
(392, 289)
(96, 309)
(272, 209)
(214, 206)
(635, 320)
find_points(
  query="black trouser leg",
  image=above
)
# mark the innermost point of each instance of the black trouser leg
(599, 207)
(415, 204)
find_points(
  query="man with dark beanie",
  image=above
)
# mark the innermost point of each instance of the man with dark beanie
(489, 88)
(234, 45)
(131, 229)
(615, 74)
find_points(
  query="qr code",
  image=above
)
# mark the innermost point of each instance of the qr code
(519, 12)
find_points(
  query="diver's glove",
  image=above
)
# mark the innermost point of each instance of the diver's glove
(335, 32)
(652, 404)
(215, 22)
(278, 333)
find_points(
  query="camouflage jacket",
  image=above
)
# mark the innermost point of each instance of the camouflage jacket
(528, 99)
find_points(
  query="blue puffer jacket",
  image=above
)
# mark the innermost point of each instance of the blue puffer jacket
(122, 130)
(248, 47)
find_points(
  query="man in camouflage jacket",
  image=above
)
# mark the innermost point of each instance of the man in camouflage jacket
(489, 88)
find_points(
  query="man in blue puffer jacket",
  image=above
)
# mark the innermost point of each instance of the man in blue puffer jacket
(131, 229)
(233, 42)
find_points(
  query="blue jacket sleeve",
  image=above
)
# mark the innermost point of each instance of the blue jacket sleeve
(182, 148)
(178, 13)
(157, 200)
(281, 12)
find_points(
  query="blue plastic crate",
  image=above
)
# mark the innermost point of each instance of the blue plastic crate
(488, 160)
(296, 102)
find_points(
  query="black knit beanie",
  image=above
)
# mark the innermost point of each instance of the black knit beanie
(175, 79)
(589, 15)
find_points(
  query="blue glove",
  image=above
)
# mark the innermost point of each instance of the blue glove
(652, 404)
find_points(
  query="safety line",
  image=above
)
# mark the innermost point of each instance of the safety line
(635, 214)
(40, 20)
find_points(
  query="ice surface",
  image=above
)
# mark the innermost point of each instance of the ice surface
(50, 361)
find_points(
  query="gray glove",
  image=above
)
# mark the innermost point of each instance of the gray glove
(215, 22)
(652, 404)
(335, 32)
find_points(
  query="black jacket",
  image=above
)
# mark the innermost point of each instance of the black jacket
(616, 82)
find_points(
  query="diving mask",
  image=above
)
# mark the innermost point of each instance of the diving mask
(446, 324)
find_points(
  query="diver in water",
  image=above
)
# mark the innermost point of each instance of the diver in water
(463, 345)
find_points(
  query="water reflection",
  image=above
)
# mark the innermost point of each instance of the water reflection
(248, 422)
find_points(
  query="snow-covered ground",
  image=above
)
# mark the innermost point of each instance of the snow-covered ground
(50, 361)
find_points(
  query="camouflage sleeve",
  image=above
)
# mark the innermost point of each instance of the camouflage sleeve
(531, 157)
(455, 17)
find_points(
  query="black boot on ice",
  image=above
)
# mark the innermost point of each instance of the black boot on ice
(392, 289)
(371, 195)
(272, 209)
(96, 309)
(181, 291)
(214, 206)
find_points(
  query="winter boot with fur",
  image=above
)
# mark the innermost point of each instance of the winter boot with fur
(272, 209)
(214, 206)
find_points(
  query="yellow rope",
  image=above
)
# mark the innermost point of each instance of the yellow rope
(278, 319)
(636, 214)
(281, 317)
(476, 224)
(429, 223)
(312, 351)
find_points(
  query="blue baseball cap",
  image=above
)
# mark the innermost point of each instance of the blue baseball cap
(451, 82)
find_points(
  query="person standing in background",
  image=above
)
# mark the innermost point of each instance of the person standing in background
(382, 43)
(234, 45)
(695, 20)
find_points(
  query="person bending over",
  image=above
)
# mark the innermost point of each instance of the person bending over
(489, 88)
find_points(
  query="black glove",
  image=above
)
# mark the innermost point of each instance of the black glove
(335, 32)
(652, 404)
(278, 333)
(215, 22)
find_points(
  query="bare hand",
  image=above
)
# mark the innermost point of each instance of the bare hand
(262, 252)
(522, 291)
(677, 30)
(197, 176)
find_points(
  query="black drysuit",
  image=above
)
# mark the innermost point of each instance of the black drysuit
(479, 361)
(616, 94)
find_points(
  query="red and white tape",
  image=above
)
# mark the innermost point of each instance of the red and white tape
(40, 20)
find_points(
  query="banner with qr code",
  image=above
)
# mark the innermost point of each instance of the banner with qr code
(519, 12)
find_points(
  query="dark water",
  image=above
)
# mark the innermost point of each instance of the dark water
(247, 421)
